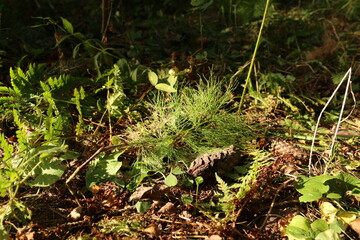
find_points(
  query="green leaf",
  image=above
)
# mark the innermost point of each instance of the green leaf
(336, 196)
(103, 169)
(171, 180)
(223, 186)
(69, 155)
(79, 35)
(340, 184)
(142, 207)
(47, 173)
(153, 78)
(67, 25)
(328, 235)
(164, 87)
(297, 233)
(319, 225)
(199, 180)
(187, 199)
(172, 79)
(299, 228)
(355, 192)
(177, 171)
(338, 226)
(312, 188)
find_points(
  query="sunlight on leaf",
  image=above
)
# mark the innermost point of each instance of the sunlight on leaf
(171, 180)
(172, 79)
(166, 88)
(153, 78)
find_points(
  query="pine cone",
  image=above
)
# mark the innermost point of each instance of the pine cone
(221, 161)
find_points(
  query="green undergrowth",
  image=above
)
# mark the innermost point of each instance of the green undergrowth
(100, 96)
(186, 124)
(337, 209)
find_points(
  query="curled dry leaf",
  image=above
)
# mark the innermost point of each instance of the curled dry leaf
(168, 209)
(152, 231)
(153, 192)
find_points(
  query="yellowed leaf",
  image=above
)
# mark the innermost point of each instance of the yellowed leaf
(328, 212)
(346, 217)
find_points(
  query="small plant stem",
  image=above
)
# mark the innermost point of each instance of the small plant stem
(273, 203)
(82, 165)
(253, 56)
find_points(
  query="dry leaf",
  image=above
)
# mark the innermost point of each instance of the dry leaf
(153, 192)
(168, 209)
(152, 231)
(355, 225)
(139, 192)
(75, 213)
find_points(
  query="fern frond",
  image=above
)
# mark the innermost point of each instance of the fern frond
(7, 148)
(225, 189)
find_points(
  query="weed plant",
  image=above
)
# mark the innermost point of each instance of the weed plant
(186, 124)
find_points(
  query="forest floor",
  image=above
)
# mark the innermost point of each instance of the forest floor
(145, 130)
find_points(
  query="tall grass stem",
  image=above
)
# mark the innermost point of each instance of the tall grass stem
(254, 55)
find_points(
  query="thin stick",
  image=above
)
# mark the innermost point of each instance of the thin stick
(82, 165)
(320, 115)
(273, 203)
(340, 116)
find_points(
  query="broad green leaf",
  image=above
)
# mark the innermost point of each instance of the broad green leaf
(336, 196)
(171, 180)
(312, 188)
(153, 78)
(67, 25)
(300, 222)
(172, 79)
(297, 233)
(79, 35)
(142, 207)
(103, 169)
(47, 173)
(319, 225)
(341, 184)
(177, 171)
(338, 226)
(164, 87)
(328, 235)
(355, 192)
